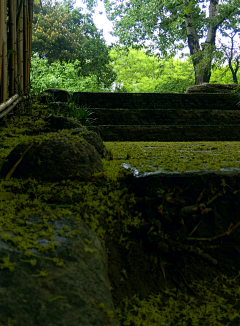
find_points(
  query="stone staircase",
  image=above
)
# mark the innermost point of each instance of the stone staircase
(163, 117)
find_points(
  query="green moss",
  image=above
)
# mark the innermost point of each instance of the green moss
(105, 205)
(99, 201)
(173, 307)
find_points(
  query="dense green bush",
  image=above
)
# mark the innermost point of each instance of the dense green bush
(61, 75)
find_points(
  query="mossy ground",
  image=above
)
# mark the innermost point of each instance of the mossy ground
(152, 157)
(149, 287)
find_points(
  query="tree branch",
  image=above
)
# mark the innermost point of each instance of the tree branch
(227, 15)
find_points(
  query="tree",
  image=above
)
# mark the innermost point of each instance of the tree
(170, 25)
(63, 33)
(230, 52)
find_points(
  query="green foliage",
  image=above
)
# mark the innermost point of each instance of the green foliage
(66, 34)
(135, 71)
(177, 76)
(138, 72)
(222, 75)
(61, 75)
(136, 22)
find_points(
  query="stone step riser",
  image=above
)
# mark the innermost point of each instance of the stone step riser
(169, 133)
(164, 117)
(156, 101)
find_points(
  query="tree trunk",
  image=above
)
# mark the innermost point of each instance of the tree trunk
(201, 58)
(234, 71)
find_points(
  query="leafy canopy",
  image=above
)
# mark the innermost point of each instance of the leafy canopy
(166, 26)
(162, 23)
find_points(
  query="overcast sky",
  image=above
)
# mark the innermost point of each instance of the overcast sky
(101, 21)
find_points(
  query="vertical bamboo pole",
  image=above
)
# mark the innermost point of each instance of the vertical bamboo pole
(20, 50)
(30, 22)
(16, 47)
(1, 47)
(13, 47)
(3, 53)
(25, 44)
(17, 43)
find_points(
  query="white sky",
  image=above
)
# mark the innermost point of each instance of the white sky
(101, 21)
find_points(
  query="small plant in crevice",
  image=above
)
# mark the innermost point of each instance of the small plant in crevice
(237, 91)
(81, 113)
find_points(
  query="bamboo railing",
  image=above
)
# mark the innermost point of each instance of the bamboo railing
(15, 49)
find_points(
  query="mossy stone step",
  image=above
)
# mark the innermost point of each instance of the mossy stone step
(164, 117)
(169, 133)
(156, 101)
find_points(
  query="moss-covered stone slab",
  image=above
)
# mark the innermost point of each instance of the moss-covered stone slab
(145, 158)
(55, 94)
(212, 88)
(53, 160)
(63, 283)
(151, 184)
